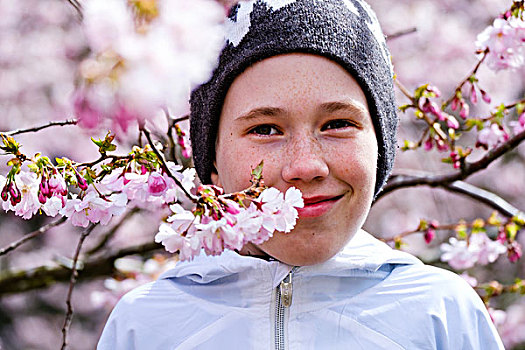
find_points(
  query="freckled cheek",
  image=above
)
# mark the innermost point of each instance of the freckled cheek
(235, 161)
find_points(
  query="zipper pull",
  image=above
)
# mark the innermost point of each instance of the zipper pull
(286, 290)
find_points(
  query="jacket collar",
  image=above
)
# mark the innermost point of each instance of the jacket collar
(363, 253)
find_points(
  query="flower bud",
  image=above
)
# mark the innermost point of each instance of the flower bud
(5, 193)
(463, 113)
(473, 95)
(485, 96)
(41, 198)
(82, 183)
(514, 251)
(428, 144)
(429, 235)
(454, 104)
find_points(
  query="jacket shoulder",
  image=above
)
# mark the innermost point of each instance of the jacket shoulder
(441, 304)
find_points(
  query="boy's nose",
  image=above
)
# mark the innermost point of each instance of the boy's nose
(304, 160)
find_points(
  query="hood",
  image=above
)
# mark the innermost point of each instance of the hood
(363, 253)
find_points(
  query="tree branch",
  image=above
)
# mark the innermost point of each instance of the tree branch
(38, 128)
(492, 200)
(108, 235)
(31, 235)
(72, 281)
(401, 181)
(78, 7)
(45, 276)
(401, 33)
(165, 167)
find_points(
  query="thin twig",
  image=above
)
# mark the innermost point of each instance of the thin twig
(464, 81)
(31, 235)
(104, 157)
(180, 119)
(411, 232)
(165, 167)
(401, 33)
(108, 235)
(45, 276)
(72, 281)
(38, 128)
(405, 91)
(401, 181)
(78, 7)
(171, 140)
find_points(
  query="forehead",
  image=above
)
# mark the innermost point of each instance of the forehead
(295, 79)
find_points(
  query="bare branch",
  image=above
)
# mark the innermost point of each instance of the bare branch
(485, 197)
(38, 128)
(78, 7)
(165, 167)
(178, 120)
(108, 235)
(72, 281)
(401, 181)
(45, 276)
(401, 33)
(31, 235)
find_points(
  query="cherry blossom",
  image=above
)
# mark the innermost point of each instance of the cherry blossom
(144, 62)
(503, 42)
(457, 254)
(224, 224)
(480, 249)
(518, 126)
(491, 136)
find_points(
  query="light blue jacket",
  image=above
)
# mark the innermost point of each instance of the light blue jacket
(368, 296)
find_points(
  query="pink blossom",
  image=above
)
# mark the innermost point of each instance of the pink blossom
(511, 326)
(53, 206)
(89, 116)
(514, 251)
(518, 126)
(27, 184)
(159, 63)
(107, 24)
(188, 246)
(92, 208)
(480, 249)
(75, 211)
(250, 225)
(156, 184)
(458, 255)
(491, 136)
(504, 43)
(488, 250)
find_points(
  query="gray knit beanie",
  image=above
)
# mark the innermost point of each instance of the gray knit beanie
(345, 31)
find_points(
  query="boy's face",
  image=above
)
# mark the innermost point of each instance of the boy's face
(308, 119)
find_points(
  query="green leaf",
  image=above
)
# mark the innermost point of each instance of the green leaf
(257, 171)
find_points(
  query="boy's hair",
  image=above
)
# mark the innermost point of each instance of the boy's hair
(345, 31)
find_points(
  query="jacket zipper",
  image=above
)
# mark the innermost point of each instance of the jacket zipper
(283, 300)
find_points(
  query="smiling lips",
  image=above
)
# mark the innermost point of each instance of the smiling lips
(317, 206)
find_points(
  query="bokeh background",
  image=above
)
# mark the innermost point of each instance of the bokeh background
(41, 43)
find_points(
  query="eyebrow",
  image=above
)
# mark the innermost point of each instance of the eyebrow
(328, 107)
(261, 111)
(331, 107)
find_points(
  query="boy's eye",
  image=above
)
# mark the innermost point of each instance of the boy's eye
(337, 124)
(265, 129)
